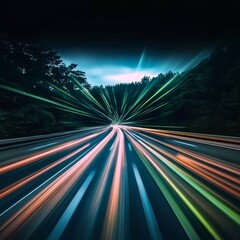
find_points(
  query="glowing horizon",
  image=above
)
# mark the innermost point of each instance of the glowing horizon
(107, 68)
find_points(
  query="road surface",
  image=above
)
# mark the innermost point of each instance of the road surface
(120, 182)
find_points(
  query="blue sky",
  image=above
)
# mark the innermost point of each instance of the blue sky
(112, 67)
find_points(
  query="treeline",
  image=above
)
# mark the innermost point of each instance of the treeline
(204, 99)
(35, 69)
(209, 100)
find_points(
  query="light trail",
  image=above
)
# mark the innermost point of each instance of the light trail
(64, 107)
(184, 143)
(189, 204)
(40, 205)
(219, 178)
(121, 181)
(43, 146)
(100, 190)
(13, 187)
(42, 184)
(114, 220)
(65, 218)
(13, 165)
(226, 207)
(202, 191)
(149, 214)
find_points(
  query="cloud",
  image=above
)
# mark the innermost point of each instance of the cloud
(129, 77)
(111, 74)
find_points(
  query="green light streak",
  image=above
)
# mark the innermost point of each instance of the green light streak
(87, 94)
(210, 196)
(156, 93)
(63, 92)
(40, 98)
(170, 199)
(200, 188)
(190, 205)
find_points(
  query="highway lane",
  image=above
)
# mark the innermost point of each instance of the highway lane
(121, 182)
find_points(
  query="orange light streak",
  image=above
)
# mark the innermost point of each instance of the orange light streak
(111, 219)
(39, 206)
(13, 187)
(24, 162)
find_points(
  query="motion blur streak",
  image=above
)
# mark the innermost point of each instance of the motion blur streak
(40, 206)
(160, 170)
(212, 175)
(62, 223)
(150, 218)
(29, 178)
(121, 182)
(23, 162)
(99, 191)
(114, 219)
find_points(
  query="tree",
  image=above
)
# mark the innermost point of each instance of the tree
(34, 65)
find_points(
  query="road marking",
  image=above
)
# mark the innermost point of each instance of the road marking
(129, 146)
(148, 211)
(46, 145)
(110, 149)
(192, 145)
(68, 213)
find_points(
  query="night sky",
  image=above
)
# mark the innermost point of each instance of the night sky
(119, 41)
